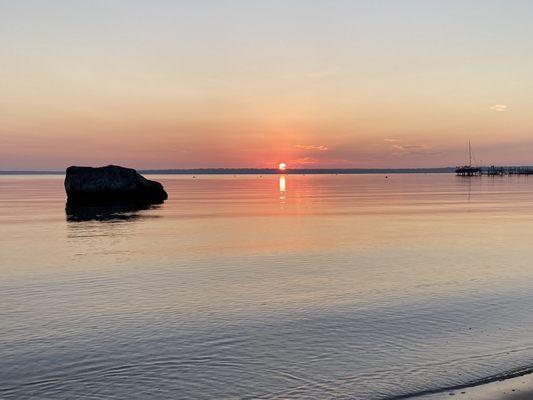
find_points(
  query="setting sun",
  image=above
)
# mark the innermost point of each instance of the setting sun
(282, 166)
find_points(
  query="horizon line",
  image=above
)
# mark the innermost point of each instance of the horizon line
(251, 171)
(265, 171)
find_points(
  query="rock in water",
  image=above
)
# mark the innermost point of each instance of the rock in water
(111, 185)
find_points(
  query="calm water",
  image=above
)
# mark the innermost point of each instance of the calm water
(349, 287)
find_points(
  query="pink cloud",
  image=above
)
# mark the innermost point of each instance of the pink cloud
(311, 147)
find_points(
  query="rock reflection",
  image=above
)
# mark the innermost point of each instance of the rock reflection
(110, 213)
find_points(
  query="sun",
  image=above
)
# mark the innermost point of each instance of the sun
(282, 166)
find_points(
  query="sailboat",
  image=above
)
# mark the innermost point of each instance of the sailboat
(468, 170)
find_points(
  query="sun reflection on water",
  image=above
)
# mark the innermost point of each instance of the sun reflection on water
(282, 186)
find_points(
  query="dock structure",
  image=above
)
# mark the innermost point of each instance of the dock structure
(470, 170)
(495, 171)
(492, 171)
(520, 171)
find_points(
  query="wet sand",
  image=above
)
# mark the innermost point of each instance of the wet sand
(518, 388)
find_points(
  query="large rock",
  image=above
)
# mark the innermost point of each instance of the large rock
(111, 185)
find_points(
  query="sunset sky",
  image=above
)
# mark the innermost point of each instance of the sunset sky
(179, 84)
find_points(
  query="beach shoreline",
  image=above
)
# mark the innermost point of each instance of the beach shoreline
(517, 386)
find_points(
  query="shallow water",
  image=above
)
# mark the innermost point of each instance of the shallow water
(320, 286)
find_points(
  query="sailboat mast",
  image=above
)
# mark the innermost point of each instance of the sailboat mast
(469, 154)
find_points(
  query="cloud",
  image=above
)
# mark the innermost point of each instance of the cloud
(311, 147)
(410, 146)
(304, 160)
(310, 161)
(414, 150)
(498, 107)
(323, 73)
(391, 140)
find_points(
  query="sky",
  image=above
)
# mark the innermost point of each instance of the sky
(332, 83)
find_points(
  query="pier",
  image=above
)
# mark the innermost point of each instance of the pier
(492, 171)
(470, 170)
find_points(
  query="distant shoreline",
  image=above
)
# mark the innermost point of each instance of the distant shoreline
(264, 171)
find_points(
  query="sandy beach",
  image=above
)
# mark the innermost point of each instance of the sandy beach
(517, 388)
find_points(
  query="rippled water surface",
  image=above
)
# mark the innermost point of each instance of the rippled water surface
(240, 287)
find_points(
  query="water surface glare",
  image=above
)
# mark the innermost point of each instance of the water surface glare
(266, 287)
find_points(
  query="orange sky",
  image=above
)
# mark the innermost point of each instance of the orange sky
(248, 84)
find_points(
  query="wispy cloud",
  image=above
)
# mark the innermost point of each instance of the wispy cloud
(498, 107)
(391, 140)
(323, 73)
(414, 150)
(311, 147)
(410, 146)
(309, 161)
(304, 160)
